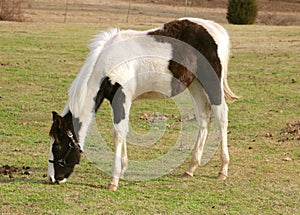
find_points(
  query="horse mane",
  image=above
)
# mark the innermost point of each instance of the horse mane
(79, 88)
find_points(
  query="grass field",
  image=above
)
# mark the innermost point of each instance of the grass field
(38, 62)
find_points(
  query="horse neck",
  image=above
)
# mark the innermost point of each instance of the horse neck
(81, 122)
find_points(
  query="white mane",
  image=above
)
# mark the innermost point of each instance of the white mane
(78, 90)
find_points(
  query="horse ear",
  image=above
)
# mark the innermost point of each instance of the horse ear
(55, 116)
(57, 119)
(57, 122)
(68, 116)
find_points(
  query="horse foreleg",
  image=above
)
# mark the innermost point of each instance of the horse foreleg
(221, 114)
(120, 130)
(124, 160)
(117, 163)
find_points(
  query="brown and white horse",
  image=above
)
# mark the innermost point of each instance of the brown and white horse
(126, 65)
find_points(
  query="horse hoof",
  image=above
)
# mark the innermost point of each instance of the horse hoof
(122, 176)
(187, 175)
(221, 177)
(112, 187)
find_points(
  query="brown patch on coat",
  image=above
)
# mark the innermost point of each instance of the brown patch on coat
(196, 36)
(183, 77)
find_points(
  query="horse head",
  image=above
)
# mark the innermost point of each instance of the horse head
(65, 148)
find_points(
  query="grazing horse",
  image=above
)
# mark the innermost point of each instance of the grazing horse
(126, 65)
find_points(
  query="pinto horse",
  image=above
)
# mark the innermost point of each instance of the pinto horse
(126, 65)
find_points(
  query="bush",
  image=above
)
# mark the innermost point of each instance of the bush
(10, 10)
(241, 11)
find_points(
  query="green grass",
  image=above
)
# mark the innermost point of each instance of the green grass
(37, 64)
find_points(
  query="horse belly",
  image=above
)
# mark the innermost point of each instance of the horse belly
(146, 78)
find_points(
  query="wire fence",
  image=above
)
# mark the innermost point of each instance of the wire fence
(149, 11)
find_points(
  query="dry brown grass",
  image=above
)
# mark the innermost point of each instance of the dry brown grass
(271, 12)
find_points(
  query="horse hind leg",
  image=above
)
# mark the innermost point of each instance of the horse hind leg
(203, 113)
(221, 115)
(198, 149)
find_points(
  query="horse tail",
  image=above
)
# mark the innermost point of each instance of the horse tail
(229, 94)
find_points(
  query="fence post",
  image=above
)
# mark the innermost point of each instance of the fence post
(128, 12)
(185, 9)
(66, 11)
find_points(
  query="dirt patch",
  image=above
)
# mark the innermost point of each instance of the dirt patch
(156, 117)
(291, 132)
(11, 171)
